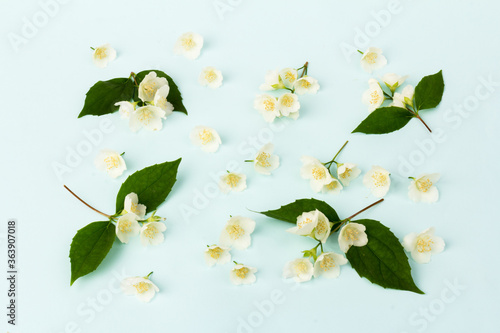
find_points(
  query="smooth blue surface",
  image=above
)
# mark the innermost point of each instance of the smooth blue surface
(43, 87)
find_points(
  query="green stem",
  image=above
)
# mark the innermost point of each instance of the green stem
(354, 215)
(329, 163)
(304, 71)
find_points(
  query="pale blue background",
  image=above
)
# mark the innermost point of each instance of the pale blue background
(43, 87)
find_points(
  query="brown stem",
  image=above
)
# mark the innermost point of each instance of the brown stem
(423, 122)
(367, 207)
(86, 204)
(132, 74)
(352, 216)
(304, 71)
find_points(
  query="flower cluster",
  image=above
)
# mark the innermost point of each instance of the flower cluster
(235, 234)
(131, 222)
(153, 107)
(377, 180)
(320, 175)
(315, 224)
(287, 104)
(377, 94)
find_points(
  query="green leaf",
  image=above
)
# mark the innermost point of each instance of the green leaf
(384, 120)
(290, 212)
(174, 96)
(383, 260)
(89, 247)
(429, 91)
(152, 185)
(103, 95)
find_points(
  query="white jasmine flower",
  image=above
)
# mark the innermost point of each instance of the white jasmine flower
(323, 228)
(314, 170)
(152, 233)
(423, 189)
(241, 274)
(216, 254)
(288, 103)
(393, 81)
(288, 77)
(103, 54)
(125, 109)
(133, 206)
(306, 85)
(334, 187)
(148, 116)
(352, 234)
(211, 77)
(301, 270)
(150, 85)
(404, 98)
(267, 106)
(378, 181)
(374, 96)
(236, 232)
(328, 265)
(142, 287)
(422, 246)
(272, 81)
(373, 59)
(206, 138)
(127, 226)
(160, 100)
(189, 45)
(110, 161)
(232, 181)
(265, 161)
(347, 172)
(306, 222)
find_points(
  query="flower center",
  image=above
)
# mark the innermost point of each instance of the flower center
(287, 101)
(150, 231)
(424, 244)
(321, 227)
(149, 88)
(303, 223)
(332, 186)
(210, 76)
(371, 57)
(290, 76)
(125, 226)
(346, 173)
(327, 263)
(235, 231)
(379, 179)
(301, 268)
(145, 116)
(101, 53)
(424, 184)
(269, 105)
(242, 272)
(141, 287)
(305, 84)
(111, 162)
(263, 159)
(216, 252)
(206, 136)
(232, 180)
(318, 173)
(351, 234)
(375, 97)
(133, 207)
(188, 43)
